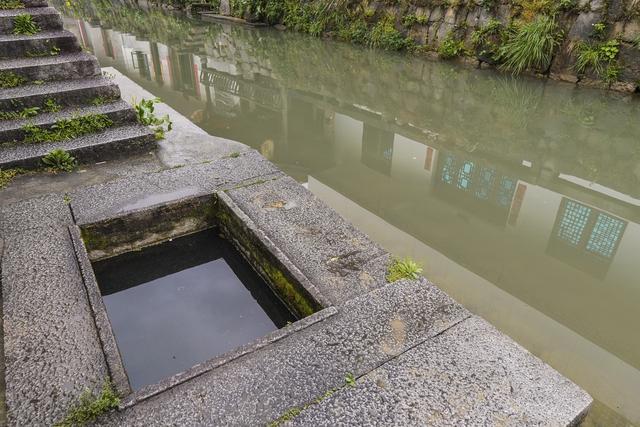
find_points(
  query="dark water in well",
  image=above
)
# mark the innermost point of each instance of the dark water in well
(183, 302)
(521, 198)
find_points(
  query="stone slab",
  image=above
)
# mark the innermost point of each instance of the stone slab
(51, 346)
(45, 211)
(253, 390)
(470, 375)
(332, 253)
(115, 198)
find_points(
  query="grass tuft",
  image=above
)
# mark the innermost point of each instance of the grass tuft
(9, 80)
(66, 129)
(531, 45)
(403, 269)
(24, 24)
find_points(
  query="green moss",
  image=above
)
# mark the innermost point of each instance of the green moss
(94, 241)
(289, 291)
(90, 407)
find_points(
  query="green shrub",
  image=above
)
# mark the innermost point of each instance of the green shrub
(487, 39)
(59, 160)
(531, 45)
(24, 24)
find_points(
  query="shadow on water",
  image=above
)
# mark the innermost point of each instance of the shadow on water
(520, 197)
(182, 302)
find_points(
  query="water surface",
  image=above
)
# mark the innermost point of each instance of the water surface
(520, 197)
(183, 302)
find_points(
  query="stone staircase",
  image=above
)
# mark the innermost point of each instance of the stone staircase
(53, 95)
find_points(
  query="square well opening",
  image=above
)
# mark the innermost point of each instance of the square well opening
(180, 288)
(182, 302)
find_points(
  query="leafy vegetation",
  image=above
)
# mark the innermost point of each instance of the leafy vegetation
(451, 47)
(531, 45)
(23, 113)
(403, 269)
(59, 160)
(145, 111)
(91, 407)
(9, 80)
(385, 35)
(24, 24)
(7, 175)
(11, 4)
(487, 40)
(51, 106)
(600, 58)
(65, 129)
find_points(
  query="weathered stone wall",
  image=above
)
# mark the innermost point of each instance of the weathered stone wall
(427, 24)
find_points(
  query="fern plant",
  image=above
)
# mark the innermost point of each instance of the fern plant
(531, 45)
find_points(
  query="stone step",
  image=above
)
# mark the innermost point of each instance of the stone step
(47, 18)
(11, 131)
(53, 68)
(35, 3)
(64, 93)
(110, 144)
(38, 45)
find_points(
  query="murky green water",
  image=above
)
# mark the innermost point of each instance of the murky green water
(521, 199)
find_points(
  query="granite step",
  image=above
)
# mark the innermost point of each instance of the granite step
(47, 18)
(11, 131)
(48, 43)
(65, 93)
(111, 143)
(53, 68)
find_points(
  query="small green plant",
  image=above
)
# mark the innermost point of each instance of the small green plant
(65, 129)
(101, 100)
(531, 45)
(91, 407)
(24, 113)
(599, 29)
(145, 111)
(24, 24)
(7, 175)
(384, 35)
(234, 155)
(451, 47)
(350, 380)
(403, 269)
(9, 80)
(601, 58)
(51, 106)
(487, 40)
(59, 160)
(11, 4)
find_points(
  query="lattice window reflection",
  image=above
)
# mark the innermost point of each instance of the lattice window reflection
(464, 178)
(605, 235)
(573, 222)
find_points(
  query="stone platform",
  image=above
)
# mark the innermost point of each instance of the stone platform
(373, 353)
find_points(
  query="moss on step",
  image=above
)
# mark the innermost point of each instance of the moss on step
(10, 80)
(11, 4)
(90, 407)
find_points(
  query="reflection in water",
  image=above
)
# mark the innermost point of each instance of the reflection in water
(521, 197)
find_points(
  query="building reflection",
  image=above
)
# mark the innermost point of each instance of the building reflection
(527, 221)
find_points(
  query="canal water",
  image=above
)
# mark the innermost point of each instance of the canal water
(520, 197)
(183, 302)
